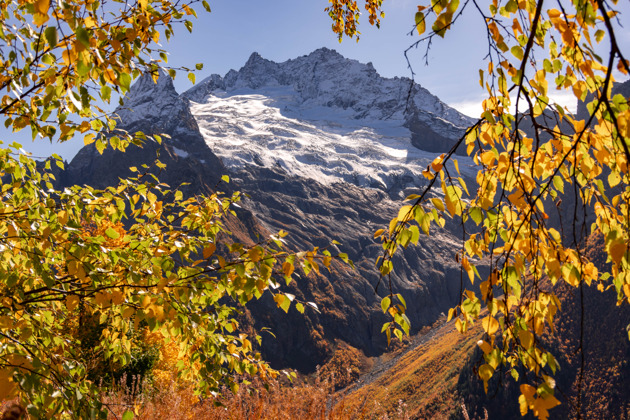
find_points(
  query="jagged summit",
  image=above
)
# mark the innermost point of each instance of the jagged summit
(326, 78)
(155, 107)
(151, 102)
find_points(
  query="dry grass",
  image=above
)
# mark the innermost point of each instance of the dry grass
(304, 401)
(424, 379)
(422, 384)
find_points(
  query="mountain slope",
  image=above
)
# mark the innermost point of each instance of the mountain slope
(324, 147)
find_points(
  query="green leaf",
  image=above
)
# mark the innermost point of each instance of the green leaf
(286, 303)
(100, 146)
(206, 6)
(558, 183)
(112, 233)
(517, 52)
(476, 214)
(125, 81)
(385, 302)
(386, 267)
(51, 36)
(127, 415)
(400, 298)
(439, 204)
(83, 36)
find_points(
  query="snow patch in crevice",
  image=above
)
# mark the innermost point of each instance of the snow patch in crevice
(181, 153)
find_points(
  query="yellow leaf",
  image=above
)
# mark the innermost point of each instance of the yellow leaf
(437, 163)
(41, 11)
(439, 204)
(541, 406)
(403, 213)
(468, 268)
(6, 322)
(527, 339)
(7, 386)
(255, 253)
(485, 373)
(62, 217)
(89, 22)
(484, 287)
(128, 312)
(41, 6)
(102, 298)
(614, 178)
(487, 158)
(617, 249)
(118, 297)
(72, 302)
(89, 138)
(451, 314)
(490, 325)
(484, 346)
(287, 268)
(420, 23)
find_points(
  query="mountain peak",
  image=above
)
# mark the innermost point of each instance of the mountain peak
(324, 78)
(150, 100)
(326, 53)
(146, 88)
(254, 57)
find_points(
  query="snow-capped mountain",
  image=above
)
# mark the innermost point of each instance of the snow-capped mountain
(324, 147)
(326, 78)
(324, 117)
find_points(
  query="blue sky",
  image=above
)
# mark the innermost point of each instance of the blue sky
(283, 29)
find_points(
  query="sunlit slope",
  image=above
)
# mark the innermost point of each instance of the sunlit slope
(424, 378)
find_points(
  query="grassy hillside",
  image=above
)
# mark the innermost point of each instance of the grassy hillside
(422, 377)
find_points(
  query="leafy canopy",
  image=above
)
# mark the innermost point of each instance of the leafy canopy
(61, 60)
(116, 262)
(530, 154)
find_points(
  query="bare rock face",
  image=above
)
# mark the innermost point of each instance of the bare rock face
(152, 108)
(325, 148)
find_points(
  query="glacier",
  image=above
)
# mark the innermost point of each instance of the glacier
(326, 118)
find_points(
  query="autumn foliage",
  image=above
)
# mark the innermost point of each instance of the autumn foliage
(546, 179)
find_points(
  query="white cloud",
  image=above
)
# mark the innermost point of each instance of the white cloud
(472, 107)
